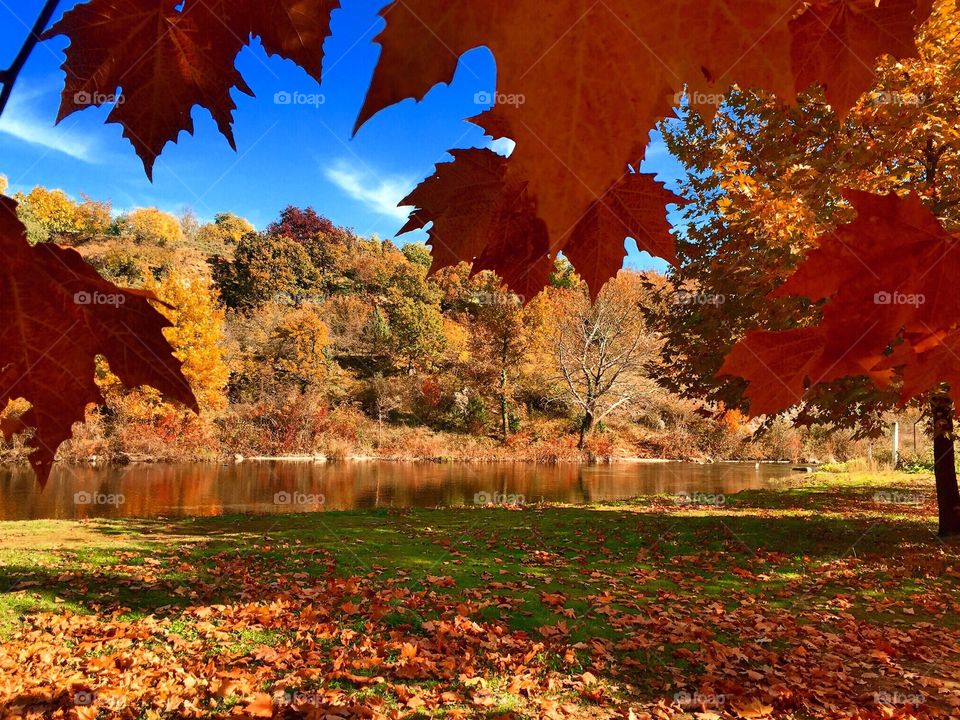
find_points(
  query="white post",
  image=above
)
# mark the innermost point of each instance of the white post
(895, 432)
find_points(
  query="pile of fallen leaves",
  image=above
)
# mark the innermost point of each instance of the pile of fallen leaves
(256, 640)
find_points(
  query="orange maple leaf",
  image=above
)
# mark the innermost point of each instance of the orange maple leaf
(56, 316)
(167, 60)
(855, 268)
(579, 83)
(836, 44)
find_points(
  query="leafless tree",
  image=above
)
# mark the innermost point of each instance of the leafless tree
(601, 351)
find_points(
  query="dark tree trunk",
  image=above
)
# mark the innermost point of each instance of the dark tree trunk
(585, 427)
(944, 465)
(504, 414)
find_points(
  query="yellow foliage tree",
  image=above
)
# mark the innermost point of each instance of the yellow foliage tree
(52, 209)
(225, 231)
(154, 226)
(4, 184)
(297, 347)
(197, 335)
(94, 216)
(146, 423)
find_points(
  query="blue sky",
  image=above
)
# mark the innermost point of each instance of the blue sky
(287, 154)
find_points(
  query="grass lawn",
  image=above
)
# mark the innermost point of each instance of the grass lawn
(830, 596)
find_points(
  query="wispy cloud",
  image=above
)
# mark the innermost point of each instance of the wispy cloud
(379, 194)
(22, 121)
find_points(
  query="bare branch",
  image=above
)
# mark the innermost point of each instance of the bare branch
(9, 76)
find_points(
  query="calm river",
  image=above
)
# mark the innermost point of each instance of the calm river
(271, 487)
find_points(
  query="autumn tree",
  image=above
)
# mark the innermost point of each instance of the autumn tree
(53, 209)
(300, 224)
(767, 183)
(222, 235)
(197, 336)
(192, 306)
(153, 226)
(95, 217)
(296, 348)
(264, 267)
(416, 333)
(498, 342)
(600, 350)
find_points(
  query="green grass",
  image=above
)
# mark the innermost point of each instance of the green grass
(813, 545)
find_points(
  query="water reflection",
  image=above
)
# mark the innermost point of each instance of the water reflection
(271, 487)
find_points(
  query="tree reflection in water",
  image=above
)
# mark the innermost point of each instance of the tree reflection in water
(272, 487)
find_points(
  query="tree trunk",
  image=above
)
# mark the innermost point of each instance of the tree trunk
(944, 465)
(585, 427)
(504, 415)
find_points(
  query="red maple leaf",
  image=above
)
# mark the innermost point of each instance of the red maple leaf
(634, 207)
(56, 316)
(836, 44)
(872, 300)
(481, 214)
(155, 62)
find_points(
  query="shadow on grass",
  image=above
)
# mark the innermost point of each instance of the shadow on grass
(633, 592)
(178, 562)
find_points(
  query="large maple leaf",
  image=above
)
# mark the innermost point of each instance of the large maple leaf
(873, 302)
(836, 44)
(581, 84)
(634, 207)
(482, 214)
(56, 316)
(154, 62)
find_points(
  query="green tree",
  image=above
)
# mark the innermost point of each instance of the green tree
(263, 268)
(416, 331)
(498, 342)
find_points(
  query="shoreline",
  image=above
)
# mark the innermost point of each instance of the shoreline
(320, 459)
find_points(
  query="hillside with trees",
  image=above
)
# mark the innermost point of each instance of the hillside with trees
(305, 338)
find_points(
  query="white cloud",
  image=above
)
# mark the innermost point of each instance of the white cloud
(380, 194)
(20, 121)
(503, 146)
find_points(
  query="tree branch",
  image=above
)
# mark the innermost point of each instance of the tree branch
(9, 76)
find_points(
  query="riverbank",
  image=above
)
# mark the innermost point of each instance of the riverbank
(828, 596)
(347, 434)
